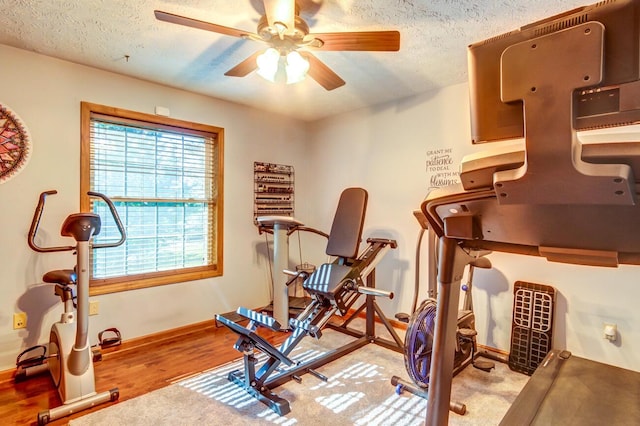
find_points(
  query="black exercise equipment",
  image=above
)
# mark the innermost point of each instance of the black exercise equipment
(570, 390)
(532, 325)
(334, 289)
(558, 198)
(418, 343)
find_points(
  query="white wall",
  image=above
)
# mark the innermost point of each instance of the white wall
(46, 94)
(385, 151)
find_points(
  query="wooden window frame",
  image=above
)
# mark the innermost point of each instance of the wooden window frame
(144, 280)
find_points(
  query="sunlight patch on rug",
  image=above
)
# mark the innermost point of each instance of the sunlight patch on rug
(396, 410)
(358, 392)
(338, 403)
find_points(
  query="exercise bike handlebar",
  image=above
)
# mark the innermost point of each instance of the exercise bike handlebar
(35, 222)
(37, 215)
(116, 219)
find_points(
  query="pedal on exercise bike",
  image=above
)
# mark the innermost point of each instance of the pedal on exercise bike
(24, 364)
(109, 338)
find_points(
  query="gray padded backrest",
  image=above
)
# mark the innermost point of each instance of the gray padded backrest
(348, 222)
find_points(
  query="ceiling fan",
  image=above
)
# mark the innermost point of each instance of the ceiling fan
(290, 41)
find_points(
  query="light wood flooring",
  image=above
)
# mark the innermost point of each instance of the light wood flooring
(135, 368)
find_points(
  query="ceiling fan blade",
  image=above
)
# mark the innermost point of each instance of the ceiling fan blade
(388, 41)
(202, 25)
(280, 12)
(244, 67)
(322, 73)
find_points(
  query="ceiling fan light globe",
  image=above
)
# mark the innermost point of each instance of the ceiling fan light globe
(297, 67)
(268, 64)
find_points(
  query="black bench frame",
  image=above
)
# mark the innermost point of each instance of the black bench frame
(334, 288)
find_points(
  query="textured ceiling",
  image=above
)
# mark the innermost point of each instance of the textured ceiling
(434, 36)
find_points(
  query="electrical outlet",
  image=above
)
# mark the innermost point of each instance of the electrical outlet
(94, 307)
(610, 332)
(19, 320)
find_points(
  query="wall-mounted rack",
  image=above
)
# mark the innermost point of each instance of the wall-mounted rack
(273, 190)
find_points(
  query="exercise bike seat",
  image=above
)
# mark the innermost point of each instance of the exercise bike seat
(81, 226)
(61, 276)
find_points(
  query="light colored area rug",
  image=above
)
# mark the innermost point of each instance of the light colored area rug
(358, 392)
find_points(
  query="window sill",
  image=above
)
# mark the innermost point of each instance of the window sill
(114, 285)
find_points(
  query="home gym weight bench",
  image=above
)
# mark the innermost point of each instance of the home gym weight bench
(334, 289)
(557, 199)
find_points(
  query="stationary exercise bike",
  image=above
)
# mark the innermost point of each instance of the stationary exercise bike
(70, 359)
(418, 343)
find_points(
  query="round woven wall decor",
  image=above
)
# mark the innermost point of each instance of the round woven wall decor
(15, 144)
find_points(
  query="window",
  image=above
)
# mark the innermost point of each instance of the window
(165, 178)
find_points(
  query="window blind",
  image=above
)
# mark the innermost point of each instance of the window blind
(160, 180)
